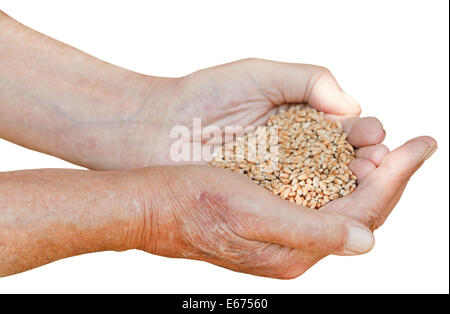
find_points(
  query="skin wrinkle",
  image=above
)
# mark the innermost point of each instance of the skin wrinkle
(262, 118)
(310, 84)
(272, 261)
(374, 153)
(281, 93)
(264, 93)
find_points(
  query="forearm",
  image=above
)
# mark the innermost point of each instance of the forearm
(46, 215)
(61, 101)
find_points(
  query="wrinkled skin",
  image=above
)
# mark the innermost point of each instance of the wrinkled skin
(102, 117)
(223, 218)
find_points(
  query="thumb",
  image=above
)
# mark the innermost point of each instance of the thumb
(373, 200)
(275, 220)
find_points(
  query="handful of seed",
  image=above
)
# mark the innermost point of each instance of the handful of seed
(300, 156)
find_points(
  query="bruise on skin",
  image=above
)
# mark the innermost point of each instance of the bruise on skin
(208, 199)
(210, 227)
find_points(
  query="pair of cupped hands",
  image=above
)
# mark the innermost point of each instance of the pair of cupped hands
(214, 215)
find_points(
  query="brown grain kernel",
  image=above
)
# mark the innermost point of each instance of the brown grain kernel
(303, 176)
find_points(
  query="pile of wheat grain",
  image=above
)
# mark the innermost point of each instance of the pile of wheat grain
(300, 156)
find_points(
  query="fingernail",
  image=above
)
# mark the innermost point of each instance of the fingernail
(352, 102)
(430, 151)
(359, 241)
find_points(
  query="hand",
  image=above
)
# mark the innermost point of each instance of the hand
(221, 217)
(100, 116)
(245, 93)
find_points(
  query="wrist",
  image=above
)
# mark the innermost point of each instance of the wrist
(125, 130)
(157, 226)
(127, 219)
(110, 216)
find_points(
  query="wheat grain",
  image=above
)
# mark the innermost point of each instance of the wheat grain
(307, 163)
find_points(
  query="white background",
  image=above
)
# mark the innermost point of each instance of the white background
(392, 56)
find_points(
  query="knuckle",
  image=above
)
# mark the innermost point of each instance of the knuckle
(376, 133)
(323, 71)
(337, 243)
(330, 242)
(373, 120)
(340, 244)
(383, 148)
(376, 223)
(252, 60)
(380, 152)
(375, 219)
